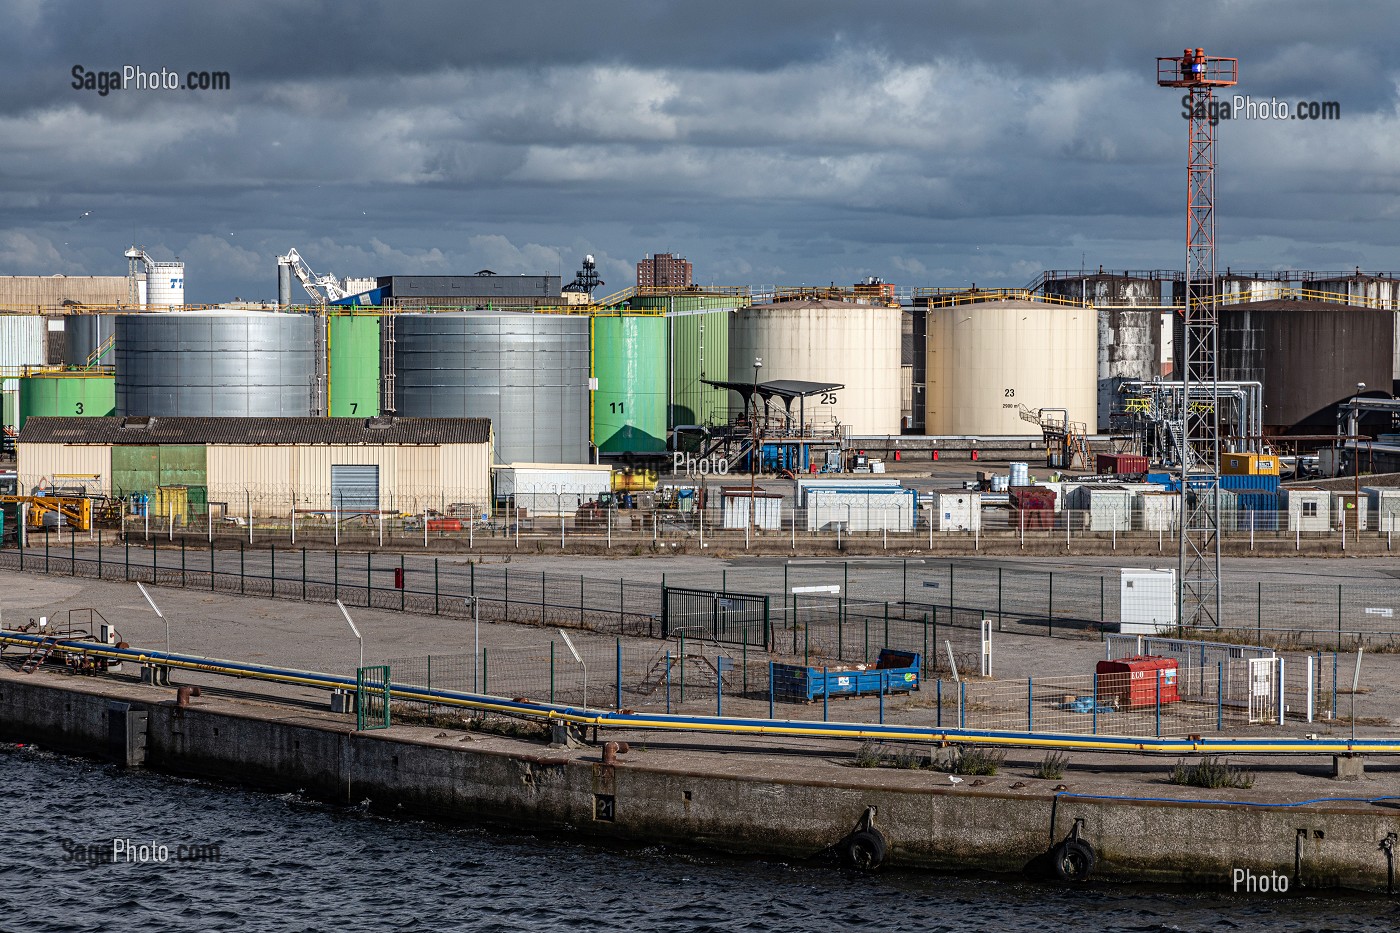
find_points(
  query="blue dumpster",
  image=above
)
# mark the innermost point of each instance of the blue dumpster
(894, 672)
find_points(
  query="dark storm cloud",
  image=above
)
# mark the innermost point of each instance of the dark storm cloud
(932, 143)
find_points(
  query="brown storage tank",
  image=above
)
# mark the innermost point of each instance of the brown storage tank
(1310, 355)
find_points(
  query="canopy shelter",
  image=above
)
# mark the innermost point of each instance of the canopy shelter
(785, 390)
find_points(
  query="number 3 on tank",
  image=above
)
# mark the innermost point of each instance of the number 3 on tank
(77, 408)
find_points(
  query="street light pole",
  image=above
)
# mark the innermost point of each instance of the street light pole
(755, 451)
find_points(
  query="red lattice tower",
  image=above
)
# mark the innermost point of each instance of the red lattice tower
(1198, 573)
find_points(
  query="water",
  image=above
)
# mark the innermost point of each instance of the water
(286, 863)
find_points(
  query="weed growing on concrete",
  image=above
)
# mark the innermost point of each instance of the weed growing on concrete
(979, 761)
(1052, 766)
(1211, 772)
(869, 755)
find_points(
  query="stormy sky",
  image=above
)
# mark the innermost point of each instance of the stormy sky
(931, 143)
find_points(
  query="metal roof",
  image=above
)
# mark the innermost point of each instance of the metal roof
(252, 431)
(778, 388)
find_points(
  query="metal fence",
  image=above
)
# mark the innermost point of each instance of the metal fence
(917, 594)
(681, 676)
(413, 523)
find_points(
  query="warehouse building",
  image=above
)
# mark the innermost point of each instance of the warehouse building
(264, 466)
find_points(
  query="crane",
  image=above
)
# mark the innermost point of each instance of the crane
(323, 288)
(1198, 555)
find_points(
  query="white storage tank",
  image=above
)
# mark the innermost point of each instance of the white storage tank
(165, 284)
(854, 345)
(987, 359)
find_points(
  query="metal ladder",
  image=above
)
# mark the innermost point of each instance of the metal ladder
(386, 379)
(38, 655)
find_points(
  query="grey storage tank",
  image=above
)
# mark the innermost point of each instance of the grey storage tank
(227, 363)
(527, 372)
(84, 335)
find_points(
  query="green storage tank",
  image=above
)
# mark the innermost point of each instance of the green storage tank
(354, 349)
(9, 408)
(629, 362)
(698, 348)
(67, 395)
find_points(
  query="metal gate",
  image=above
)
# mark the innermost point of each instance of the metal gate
(732, 618)
(372, 697)
(1263, 690)
(355, 488)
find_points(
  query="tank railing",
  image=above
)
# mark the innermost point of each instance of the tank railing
(963, 297)
(78, 372)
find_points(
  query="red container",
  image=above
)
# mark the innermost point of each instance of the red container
(1033, 507)
(1133, 681)
(444, 524)
(1121, 464)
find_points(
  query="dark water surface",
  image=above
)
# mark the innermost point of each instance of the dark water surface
(285, 863)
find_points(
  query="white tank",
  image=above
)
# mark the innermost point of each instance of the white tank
(987, 359)
(1019, 474)
(165, 284)
(855, 345)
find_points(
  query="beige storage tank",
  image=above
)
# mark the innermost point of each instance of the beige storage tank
(855, 345)
(987, 359)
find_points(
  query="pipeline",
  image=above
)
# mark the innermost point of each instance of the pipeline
(787, 728)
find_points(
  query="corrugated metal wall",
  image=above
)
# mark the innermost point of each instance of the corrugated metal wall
(39, 463)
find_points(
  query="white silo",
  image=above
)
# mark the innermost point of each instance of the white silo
(854, 345)
(164, 281)
(987, 359)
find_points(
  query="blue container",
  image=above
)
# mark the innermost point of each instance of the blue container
(1247, 482)
(1257, 508)
(894, 672)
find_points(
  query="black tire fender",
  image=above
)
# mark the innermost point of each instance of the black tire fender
(1073, 860)
(864, 849)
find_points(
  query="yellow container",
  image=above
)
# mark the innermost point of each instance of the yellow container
(1246, 464)
(173, 500)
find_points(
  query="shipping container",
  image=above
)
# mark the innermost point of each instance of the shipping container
(1248, 464)
(551, 488)
(959, 510)
(1032, 507)
(1160, 510)
(765, 509)
(1122, 464)
(1133, 683)
(1105, 508)
(1239, 481)
(1257, 509)
(1146, 601)
(857, 507)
